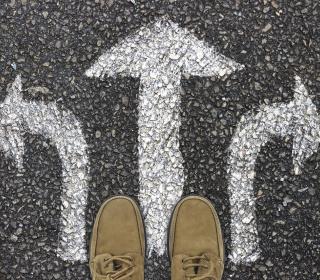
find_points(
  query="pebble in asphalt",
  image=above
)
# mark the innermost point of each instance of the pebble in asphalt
(52, 43)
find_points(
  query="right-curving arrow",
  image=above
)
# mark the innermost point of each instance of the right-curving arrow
(298, 119)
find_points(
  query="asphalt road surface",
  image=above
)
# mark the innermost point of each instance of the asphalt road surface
(234, 122)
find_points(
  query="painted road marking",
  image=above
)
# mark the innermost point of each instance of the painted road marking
(298, 119)
(159, 54)
(64, 130)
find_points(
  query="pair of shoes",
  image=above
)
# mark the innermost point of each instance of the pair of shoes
(117, 249)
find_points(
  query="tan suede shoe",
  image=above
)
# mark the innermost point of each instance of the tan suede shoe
(117, 248)
(195, 241)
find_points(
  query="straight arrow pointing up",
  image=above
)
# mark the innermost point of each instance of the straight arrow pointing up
(159, 54)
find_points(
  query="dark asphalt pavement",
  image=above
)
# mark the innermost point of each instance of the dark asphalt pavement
(52, 43)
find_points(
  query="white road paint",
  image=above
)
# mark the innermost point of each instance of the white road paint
(159, 54)
(297, 119)
(64, 131)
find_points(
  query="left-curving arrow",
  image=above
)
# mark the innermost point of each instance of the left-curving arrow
(297, 119)
(159, 55)
(64, 131)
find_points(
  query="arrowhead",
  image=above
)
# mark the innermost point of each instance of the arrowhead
(166, 47)
(11, 140)
(307, 126)
(11, 143)
(15, 91)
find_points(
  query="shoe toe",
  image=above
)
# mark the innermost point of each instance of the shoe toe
(119, 228)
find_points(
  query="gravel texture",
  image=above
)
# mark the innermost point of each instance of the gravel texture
(52, 43)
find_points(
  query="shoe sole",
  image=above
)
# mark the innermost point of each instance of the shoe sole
(173, 222)
(139, 219)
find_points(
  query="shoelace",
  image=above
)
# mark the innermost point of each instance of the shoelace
(124, 273)
(208, 265)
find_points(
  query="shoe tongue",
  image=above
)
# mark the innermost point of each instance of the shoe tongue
(200, 270)
(104, 267)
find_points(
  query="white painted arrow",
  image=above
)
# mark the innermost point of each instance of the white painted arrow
(158, 55)
(64, 131)
(298, 119)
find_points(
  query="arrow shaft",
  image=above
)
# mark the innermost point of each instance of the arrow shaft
(244, 149)
(160, 160)
(64, 131)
